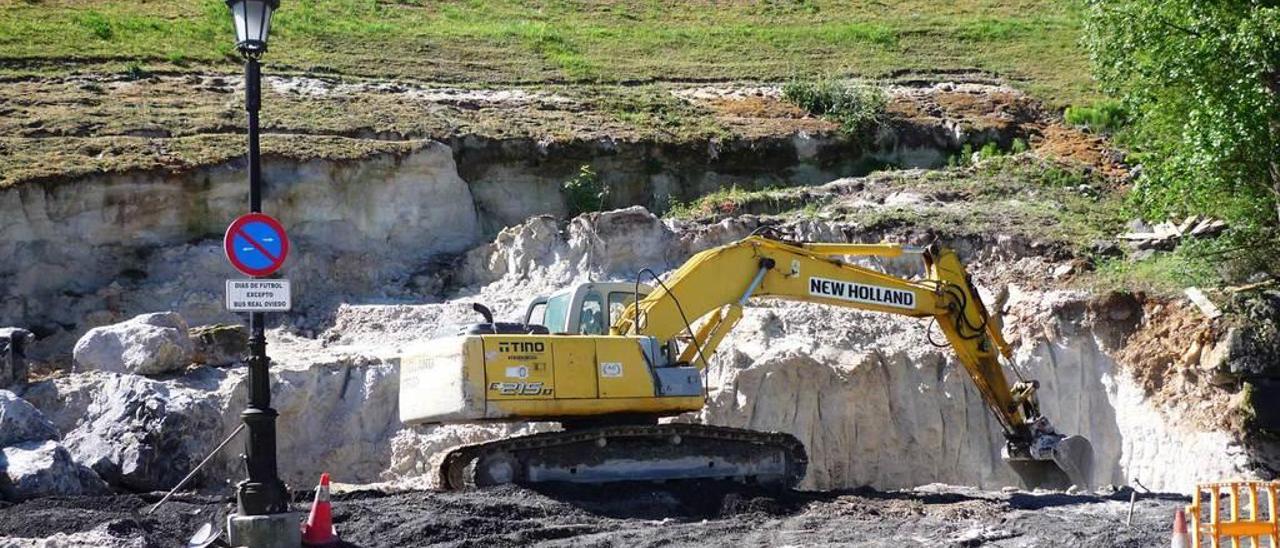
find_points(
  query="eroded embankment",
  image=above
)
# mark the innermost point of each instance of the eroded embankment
(95, 249)
(873, 401)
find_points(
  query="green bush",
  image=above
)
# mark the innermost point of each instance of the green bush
(858, 108)
(1104, 117)
(585, 192)
(963, 159)
(1019, 146)
(988, 151)
(1200, 81)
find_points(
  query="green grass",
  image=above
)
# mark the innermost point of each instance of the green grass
(1101, 117)
(733, 200)
(1032, 42)
(1161, 274)
(1035, 198)
(858, 108)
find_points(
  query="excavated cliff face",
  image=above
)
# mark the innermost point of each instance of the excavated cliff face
(874, 403)
(93, 250)
(98, 250)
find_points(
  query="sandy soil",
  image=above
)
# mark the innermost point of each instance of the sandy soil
(643, 515)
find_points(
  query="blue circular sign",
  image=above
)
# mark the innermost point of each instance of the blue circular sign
(256, 244)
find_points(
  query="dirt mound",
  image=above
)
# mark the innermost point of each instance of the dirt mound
(1174, 358)
(1076, 147)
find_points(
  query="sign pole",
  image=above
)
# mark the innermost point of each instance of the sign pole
(263, 492)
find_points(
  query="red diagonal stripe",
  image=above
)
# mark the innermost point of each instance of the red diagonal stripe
(241, 233)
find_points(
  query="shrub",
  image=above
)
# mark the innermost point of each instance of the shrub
(1019, 146)
(858, 108)
(1104, 117)
(585, 192)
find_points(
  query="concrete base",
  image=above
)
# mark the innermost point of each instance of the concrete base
(269, 531)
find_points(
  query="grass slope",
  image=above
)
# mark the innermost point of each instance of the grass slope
(1033, 42)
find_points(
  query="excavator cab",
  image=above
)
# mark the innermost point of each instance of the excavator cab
(584, 309)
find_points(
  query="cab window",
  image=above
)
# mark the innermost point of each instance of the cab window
(557, 312)
(592, 321)
(618, 301)
(537, 314)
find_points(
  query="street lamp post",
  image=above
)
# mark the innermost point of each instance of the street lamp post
(262, 493)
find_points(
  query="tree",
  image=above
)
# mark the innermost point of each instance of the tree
(1201, 79)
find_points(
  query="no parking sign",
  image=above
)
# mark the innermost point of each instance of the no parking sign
(257, 246)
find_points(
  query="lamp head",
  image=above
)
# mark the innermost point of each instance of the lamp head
(253, 24)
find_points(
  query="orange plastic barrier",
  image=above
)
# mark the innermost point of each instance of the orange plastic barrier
(1234, 527)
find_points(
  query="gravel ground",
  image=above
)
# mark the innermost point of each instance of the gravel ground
(638, 515)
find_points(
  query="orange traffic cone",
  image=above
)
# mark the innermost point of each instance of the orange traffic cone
(1180, 538)
(318, 530)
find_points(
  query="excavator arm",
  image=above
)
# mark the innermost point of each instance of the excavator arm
(714, 285)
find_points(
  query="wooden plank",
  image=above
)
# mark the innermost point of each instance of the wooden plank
(1203, 303)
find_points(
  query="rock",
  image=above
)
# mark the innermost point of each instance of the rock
(145, 435)
(1254, 349)
(904, 199)
(1261, 395)
(13, 363)
(1104, 248)
(42, 469)
(149, 344)
(1139, 225)
(21, 422)
(219, 344)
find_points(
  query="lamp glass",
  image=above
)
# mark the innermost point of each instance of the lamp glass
(252, 22)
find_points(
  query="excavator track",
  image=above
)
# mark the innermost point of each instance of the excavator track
(664, 452)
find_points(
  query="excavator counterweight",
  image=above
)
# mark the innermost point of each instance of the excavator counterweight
(607, 360)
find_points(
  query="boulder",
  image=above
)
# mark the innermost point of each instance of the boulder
(149, 344)
(1255, 345)
(42, 469)
(220, 344)
(21, 422)
(144, 435)
(13, 363)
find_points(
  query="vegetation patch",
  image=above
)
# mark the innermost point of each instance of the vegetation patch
(1102, 117)
(726, 202)
(858, 108)
(1201, 83)
(1032, 42)
(585, 192)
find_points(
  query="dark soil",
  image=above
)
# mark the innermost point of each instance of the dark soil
(124, 516)
(646, 515)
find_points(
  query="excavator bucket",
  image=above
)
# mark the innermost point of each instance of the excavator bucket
(1071, 463)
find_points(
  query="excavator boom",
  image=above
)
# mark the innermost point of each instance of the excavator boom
(650, 364)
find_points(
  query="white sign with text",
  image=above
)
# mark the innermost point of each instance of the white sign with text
(259, 296)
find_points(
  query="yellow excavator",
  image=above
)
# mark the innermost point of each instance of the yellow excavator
(608, 389)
